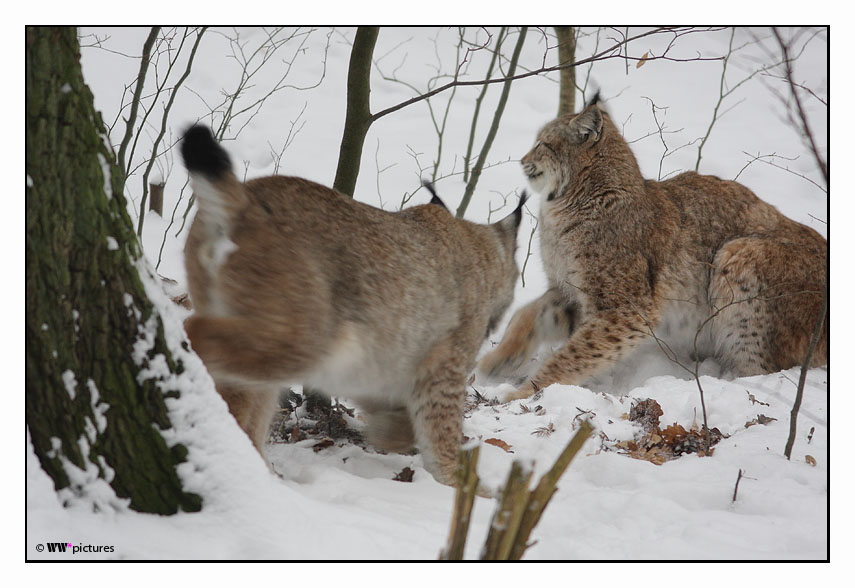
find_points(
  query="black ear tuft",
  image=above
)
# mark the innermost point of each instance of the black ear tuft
(518, 209)
(435, 199)
(594, 100)
(509, 225)
(202, 154)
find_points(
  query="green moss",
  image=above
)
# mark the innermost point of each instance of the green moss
(68, 220)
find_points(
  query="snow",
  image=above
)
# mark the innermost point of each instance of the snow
(341, 503)
(105, 173)
(70, 383)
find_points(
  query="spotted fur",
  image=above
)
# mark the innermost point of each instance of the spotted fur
(634, 257)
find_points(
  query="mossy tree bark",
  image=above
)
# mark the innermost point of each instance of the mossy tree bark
(89, 411)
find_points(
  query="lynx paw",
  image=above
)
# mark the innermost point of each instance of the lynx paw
(524, 391)
(497, 366)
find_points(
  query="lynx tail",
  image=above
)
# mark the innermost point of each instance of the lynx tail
(219, 193)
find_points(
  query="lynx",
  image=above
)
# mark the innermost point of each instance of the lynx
(293, 282)
(629, 258)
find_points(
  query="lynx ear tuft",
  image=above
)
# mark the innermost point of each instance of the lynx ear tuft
(509, 225)
(518, 209)
(435, 199)
(203, 155)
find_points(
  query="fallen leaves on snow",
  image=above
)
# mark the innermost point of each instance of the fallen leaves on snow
(660, 445)
(761, 419)
(498, 443)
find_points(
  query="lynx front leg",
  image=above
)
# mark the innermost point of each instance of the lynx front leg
(550, 318)
(599, 342)
(388, 426)
(437, 409)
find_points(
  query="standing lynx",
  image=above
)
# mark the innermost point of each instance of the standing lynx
(628, 257)
(294, 282)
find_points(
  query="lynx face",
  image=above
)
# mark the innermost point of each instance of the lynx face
(563, 140)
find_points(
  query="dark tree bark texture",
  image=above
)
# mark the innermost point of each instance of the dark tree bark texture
(358, 118)
(86, 307)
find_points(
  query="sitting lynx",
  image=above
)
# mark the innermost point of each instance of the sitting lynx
(628, 257)
(294, 282)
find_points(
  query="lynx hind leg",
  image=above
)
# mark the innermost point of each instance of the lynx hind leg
(388, 427)
(253, 408)
(765, 305)
(548, 319)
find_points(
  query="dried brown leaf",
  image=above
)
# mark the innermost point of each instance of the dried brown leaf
(498, 443)
(674, 434)
(323, 444)
(629, 445)
(754, 400)
(761, 419)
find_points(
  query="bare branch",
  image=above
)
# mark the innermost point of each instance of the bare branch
(166, 110)
(135, 101)
(804, 125)
(494, 128)
(614, 51)
(530, 240)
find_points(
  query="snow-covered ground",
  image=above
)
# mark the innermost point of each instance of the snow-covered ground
(341, 502)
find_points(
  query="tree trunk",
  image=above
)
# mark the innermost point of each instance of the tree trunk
(566, 77)
(357, 121)
(358, 118)
(90, 328)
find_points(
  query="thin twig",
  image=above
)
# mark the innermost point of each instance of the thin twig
(794, 413)
(611, 52)
(736, 487)
(166, 110)
(135, 101)
(468, 156)
(805, 126)
(494, 129)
